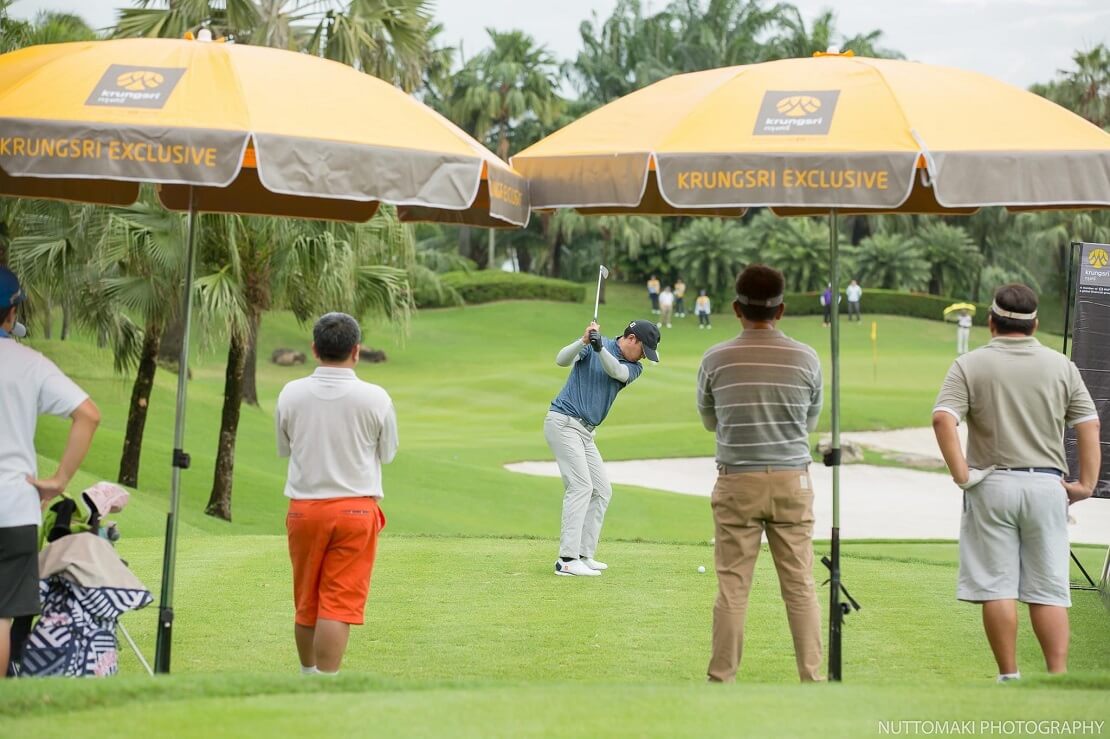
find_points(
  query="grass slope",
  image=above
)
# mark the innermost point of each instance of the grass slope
(468, 633)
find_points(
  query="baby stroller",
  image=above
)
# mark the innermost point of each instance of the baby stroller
(85, 587)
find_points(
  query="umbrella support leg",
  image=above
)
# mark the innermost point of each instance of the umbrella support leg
(836, 608)
(180, 458)
(135, 649)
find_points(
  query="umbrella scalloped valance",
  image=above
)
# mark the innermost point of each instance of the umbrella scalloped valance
(249, 129)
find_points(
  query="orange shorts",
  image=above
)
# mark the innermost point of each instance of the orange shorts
(332, 544)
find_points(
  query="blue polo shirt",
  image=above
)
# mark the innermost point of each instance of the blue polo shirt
(590, 392)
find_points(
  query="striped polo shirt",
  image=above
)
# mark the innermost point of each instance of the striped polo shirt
(761, 394)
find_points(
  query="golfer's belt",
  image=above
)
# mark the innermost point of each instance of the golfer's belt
(727, 469)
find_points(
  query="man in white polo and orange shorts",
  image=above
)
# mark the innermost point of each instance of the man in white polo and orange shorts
(337, 432)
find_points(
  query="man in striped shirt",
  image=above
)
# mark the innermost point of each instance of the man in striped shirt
(761, 394)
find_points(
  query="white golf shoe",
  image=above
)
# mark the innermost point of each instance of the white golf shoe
(593, 564)
(574, 568)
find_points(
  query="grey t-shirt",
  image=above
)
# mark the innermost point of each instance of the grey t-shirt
(589, 392)
(1017, 395)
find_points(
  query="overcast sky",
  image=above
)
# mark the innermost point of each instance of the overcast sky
(1018, 41)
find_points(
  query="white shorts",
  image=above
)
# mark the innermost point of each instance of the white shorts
(1014, 540)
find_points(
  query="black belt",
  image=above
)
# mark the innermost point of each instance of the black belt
(726, 469)
(1040, 470)
(589, 426)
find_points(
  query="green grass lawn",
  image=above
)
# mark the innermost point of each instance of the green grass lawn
(468, 633)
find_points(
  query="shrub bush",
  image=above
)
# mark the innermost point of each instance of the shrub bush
(487, 286)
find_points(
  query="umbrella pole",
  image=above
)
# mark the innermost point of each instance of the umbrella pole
(836, 613)
(180, 459)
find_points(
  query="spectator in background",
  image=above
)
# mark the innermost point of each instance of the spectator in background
(666, 307)
(679, 298)
(702, 309)
(963, 332)
(855, 292)
(653, 293)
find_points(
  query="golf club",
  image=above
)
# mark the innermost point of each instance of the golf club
(595, 337)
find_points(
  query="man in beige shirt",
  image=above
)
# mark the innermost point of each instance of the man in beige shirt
(1017, 396)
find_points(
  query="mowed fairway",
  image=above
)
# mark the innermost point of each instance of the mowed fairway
(468, 632)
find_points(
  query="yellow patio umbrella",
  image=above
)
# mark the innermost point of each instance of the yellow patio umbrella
(234, 129)
(825, 135)
(957, 308)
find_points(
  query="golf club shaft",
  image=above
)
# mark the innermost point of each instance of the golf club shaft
(597, 295)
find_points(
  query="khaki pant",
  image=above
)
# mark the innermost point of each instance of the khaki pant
(586, 482)
(744, 506)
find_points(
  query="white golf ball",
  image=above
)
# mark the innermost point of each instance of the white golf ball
(701, 568)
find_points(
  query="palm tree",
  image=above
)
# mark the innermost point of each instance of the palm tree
(797, 246)
(710, 252)
(1085, 89)
(390, 39)
(142, 262)
(795, 39)
(504, 85)
(48, 27)
(953, 258)
(310, 267)
(890, 261)
(53, 251)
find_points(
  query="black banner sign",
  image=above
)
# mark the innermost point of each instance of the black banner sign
(1091, 349)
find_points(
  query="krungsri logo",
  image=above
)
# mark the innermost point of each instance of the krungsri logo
(796, 113)
(126, 86)
(1098, 258)
(798, 105)
(140, 80)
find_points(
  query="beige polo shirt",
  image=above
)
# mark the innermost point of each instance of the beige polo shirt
(1016, 395)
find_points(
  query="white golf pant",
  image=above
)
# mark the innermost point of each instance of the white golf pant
(962, 336)
(587, 485)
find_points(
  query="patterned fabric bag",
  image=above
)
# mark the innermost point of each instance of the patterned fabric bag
(76, 635)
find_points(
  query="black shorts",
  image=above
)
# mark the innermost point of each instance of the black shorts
(19, 571)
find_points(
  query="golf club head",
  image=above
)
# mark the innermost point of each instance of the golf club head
(604, 272)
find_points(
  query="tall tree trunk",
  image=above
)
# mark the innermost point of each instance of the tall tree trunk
(66, 316)
(140, 402)
(491, 249)
(48, 320)
(861, 229)
(172, 337)
(465, 235)
(555, 244)
(524, 259)
(250, 364)
(219, 502)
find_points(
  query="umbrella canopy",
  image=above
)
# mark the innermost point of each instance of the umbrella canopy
(249, 129)
(830, 134)
(957, 308)
(810, 135)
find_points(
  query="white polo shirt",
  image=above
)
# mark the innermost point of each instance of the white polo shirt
(337, 432)
(30, 386)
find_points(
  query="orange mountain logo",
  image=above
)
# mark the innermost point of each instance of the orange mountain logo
(1098, 258)
(798, 105)
(139, 80)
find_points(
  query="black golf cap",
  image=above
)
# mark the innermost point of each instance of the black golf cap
(648, 334)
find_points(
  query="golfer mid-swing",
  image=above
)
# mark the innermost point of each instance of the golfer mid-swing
(601, 368)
